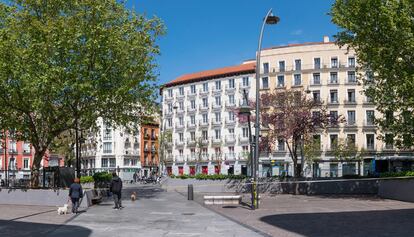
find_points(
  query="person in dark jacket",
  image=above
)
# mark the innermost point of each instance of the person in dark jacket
(75, 193)
(116, 189)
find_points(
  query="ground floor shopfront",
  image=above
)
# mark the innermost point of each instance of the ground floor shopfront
(209, 168)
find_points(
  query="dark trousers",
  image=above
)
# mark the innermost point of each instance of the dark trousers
(75, 205)
(117, 200)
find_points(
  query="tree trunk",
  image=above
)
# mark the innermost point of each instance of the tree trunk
(38, 156)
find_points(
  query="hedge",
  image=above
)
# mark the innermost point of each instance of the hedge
(86, 179)
(102, 177)
(209, 177)
(397, 174)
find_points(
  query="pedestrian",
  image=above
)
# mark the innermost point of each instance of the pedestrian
(135, 177)
(116, 188)
(75, 193)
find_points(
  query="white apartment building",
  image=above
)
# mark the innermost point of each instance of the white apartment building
(111, 150)
(201, 105)
(200, 110)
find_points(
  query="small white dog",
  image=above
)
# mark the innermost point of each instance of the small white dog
(63, 210)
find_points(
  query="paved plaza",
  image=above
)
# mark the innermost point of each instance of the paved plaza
(161, 213)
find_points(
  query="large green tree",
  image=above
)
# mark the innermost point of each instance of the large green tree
(382, 34)
(63, 64)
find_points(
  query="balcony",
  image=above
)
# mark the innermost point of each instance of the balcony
(350, 101)
(230, 139)
(230, 122)
(179, 126)
(216, 141)
(243, 140)
(203, 124)
(333, 81)
(333, 101)
(369, 123)
(205, 157)
(204, 142)
(203, 107)
(191, 143)
(216, 106)
(192, 157)
(216, 90)
(230, 156)
(180, 96)
(179, 143)
(168, 112)
(190, 109)
(215, 122)
(191, 125)
(244, 86)
(230, 104)
(217, 157)
(230, 89)
(180, 110)
(190, 94)
(179, 158)
(203, 92)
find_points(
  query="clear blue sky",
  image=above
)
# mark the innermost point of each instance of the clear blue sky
(208, 34)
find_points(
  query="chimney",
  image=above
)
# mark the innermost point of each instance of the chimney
(326, 39)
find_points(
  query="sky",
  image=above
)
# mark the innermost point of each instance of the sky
(209, 34)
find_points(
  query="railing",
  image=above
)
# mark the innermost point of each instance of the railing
(244, 86)
(179, 126)
(243, 139)
(228, 88)
(189, 109)
(216, 106)
(191, 125)
(230, 122)
(216, 122)
(203, 107)
(216, 89)
(230, 105)
(191, 142)
(350, 102)
(180, 158)
(179, 143)
(215, 140)
(203, 123)
(230, 139)
(178, 95)
(203, 92)
(230, 156)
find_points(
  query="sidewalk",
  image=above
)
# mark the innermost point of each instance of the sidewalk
(153, 214)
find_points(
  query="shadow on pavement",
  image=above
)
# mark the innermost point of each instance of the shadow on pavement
(20, 229)
(360, 223)
(143, 192)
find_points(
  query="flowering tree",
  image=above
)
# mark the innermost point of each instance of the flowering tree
(290, 116)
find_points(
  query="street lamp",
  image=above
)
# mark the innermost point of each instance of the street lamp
(271, 20)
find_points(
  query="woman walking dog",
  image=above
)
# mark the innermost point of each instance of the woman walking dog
(75, 193)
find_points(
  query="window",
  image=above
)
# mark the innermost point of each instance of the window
(265, 68)
(316, 96)
(370, 117)
(181, 90)
(107, 147)
(231, 100)
(170, 108)
(245, 148)
(280, 81)
(333, 117)
(316, 78)
(231, 115)
(351, 77)
(217, 115)
(205, 87)
(205, 118)
(181, 120)
(181, 105)
(334, 141)
(26, 164)
(281, 66)
(333, 96)
(316, 114)
(112, 162)
(245, 81)
(107, 134)
(204, 135)
(217, 134)
(280, 144)
(218, 100)
(231, 149)
(298, 80)
(298, 64)
(104, 162)
(333, 78)
(181, 136)
(350, 139)
(351, 117)
(351, 62)
(218, 85)
(317, 63)
(334, 62)
(369, 76)
(245, 132)
(192, 119)
(193, 89)
(231, 83)
(170, 93)
(351, 95)
(265, 83)
(317, 139)
(26, 148)
(370, 142)
(205, 102)
(192, 104)
(192, 136)
(169, 121)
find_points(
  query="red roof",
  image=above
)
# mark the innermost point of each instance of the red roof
(215, 73)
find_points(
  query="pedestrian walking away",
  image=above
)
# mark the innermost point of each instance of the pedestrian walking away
(75, 193)
(116, 189)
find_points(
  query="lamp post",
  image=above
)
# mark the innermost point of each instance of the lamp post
(271, 20)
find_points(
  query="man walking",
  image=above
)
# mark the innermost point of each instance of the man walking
(75, 193)
(116, 189)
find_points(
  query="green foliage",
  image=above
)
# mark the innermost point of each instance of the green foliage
(381, 33)
(210, 177)
(102, 177)
(397, 174)
(64, 63)
(344, 150)
(86, 179)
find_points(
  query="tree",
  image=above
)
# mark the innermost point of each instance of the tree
(291, 116)
(64, 64)
(348, 151)
(64, 145)
(381, 33)
(164, 141)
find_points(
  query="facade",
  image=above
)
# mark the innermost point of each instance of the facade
(199, 111)
(111, 150)
(322, 70)
(149, 148)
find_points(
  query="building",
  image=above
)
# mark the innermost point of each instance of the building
(149, 148)
(201, 104)
(199, 110)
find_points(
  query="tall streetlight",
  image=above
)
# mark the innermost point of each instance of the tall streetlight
(271, 20)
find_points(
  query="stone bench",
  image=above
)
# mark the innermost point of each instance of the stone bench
(222, 200)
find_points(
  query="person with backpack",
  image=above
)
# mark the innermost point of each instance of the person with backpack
(116, 189)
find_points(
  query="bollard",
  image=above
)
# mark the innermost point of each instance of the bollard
(190, 192)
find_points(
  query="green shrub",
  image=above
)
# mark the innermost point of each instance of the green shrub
(86, 179)
(397, 174)
(102, 177)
